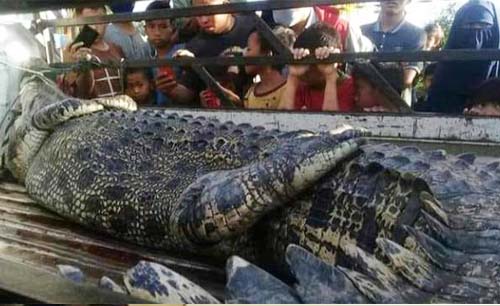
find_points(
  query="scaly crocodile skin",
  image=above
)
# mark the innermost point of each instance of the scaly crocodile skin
(401, 225)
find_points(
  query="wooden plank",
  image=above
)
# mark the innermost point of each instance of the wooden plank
(39, 240)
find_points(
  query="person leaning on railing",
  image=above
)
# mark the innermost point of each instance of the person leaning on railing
(93, 82)
(217, 33)
(270, 86)
(318, 87)
(188, 27)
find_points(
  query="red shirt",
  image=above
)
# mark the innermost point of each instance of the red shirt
(310, 99)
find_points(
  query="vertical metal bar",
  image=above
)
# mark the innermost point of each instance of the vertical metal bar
(212, 84)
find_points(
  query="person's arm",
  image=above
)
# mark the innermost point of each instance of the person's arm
(169, 86)
(82, 80)
(287, 101)
(329, 71)
(409, 75)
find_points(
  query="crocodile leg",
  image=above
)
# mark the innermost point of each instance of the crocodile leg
(225, 203)
(55, 114)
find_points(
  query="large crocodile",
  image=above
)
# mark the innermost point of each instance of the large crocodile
(406, 225)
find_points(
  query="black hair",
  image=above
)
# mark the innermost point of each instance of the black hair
(487, 92)
(79, 10)
(318, 35)
(158, 5)
(147, 72)
(284, 34)
(391, 72)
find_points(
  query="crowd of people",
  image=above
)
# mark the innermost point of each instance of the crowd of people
(448, 87)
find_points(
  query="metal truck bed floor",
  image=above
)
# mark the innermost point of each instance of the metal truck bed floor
(35, 241)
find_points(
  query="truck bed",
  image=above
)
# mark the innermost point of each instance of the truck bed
(33, 241)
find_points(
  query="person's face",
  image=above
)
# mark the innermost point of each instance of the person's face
(253, 49)
(433, 41)
(160, 32)
(366, 95)
(393, 7)
(138, 88)
(313, 78)
(92, 12)
(212, 24)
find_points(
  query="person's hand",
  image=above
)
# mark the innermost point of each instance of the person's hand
(298, 70)
(183, 53)
(208, 99)
(165, 84)
(483, 110)
(375, 109)
(328, 70)
(76, 52)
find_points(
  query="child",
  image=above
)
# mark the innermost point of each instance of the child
(267, 93)
(97, 82)
(139, 85)
(371, 92)
(486, 99)
(317, 87)
(162, 36)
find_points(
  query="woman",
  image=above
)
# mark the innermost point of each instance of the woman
(475, 26)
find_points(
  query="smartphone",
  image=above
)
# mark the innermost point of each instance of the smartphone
(87, 35)
(166, 71)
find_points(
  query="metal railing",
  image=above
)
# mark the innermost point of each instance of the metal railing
(199, 64)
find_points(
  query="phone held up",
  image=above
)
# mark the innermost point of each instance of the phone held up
(87, 35)
(166, 71)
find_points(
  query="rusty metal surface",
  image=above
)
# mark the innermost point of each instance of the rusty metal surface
(37, 239)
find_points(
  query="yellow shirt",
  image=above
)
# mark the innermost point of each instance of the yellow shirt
(268, 100)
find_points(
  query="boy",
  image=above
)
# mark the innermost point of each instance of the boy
(217, 33)
(317, 87)
(371, 92)
(139, 85)
(97, 82)
(486, 99)
(267, 93)
(162, 36)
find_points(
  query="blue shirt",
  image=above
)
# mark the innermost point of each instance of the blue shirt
(404, 37)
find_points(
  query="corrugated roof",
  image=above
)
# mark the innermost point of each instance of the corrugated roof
(38, 239)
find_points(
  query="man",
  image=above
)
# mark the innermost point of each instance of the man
(391, 32)
(217, 33)
(97, 82)
(188, 27)
(125, 34)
